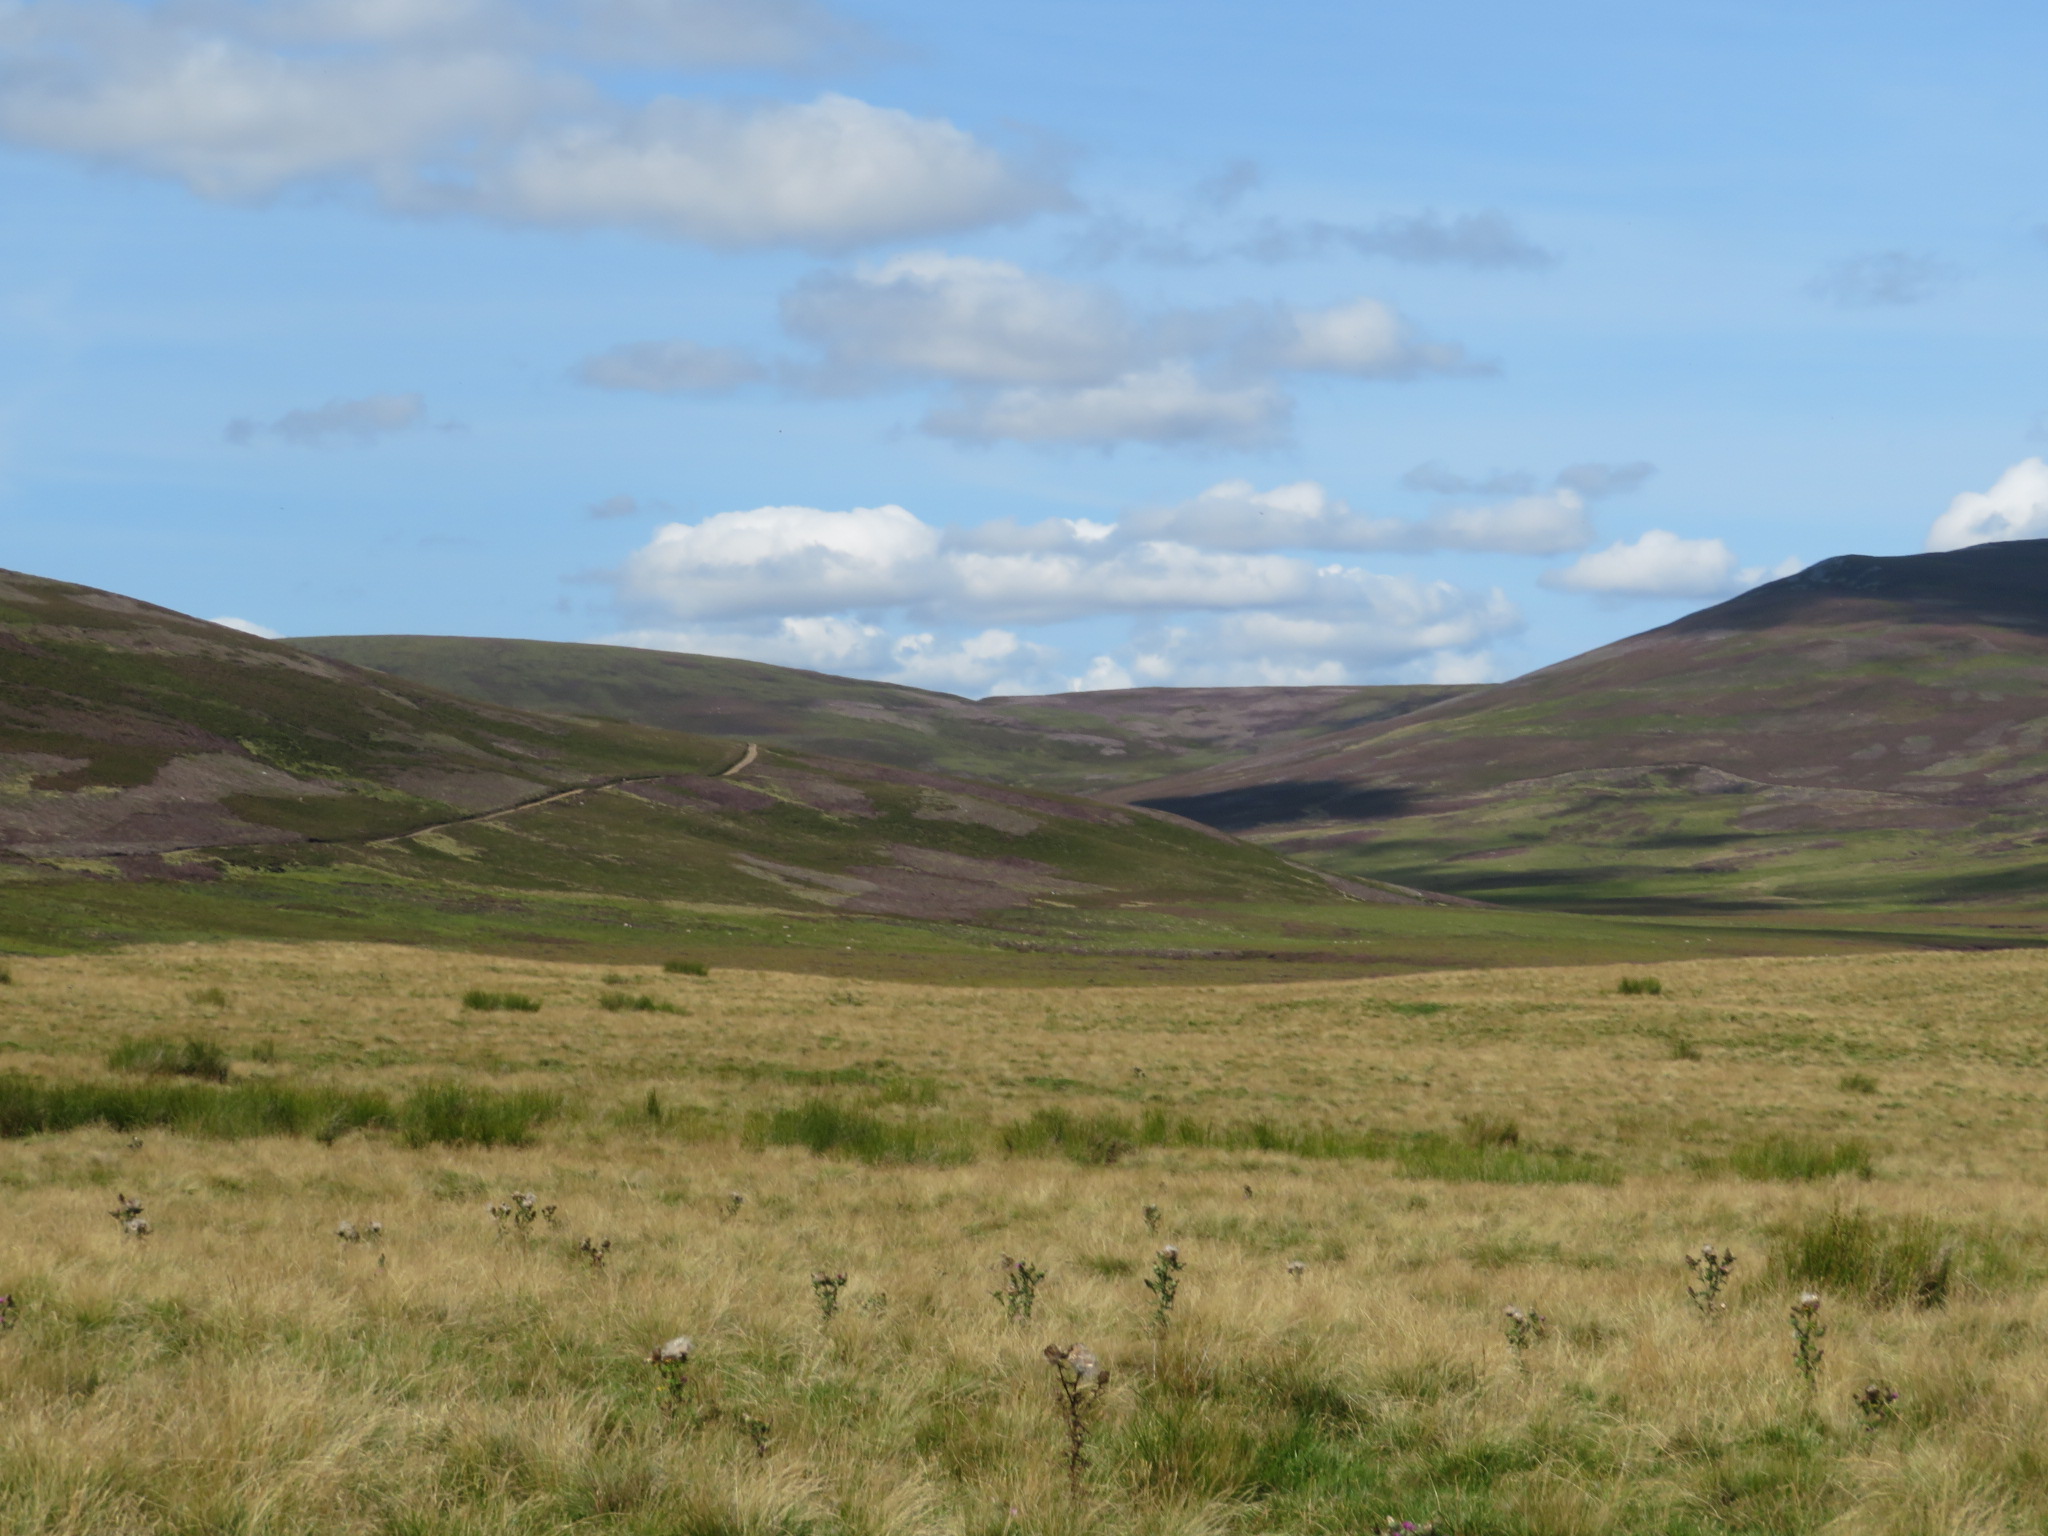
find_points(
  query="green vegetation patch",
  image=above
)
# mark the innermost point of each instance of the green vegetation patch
(829, 1128)
(1887, 1260)
(432, 1114)
(159, 1057)
(1798, 1157)
(481, 1000)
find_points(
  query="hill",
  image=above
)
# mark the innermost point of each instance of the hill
(1079, 742)
(1869, 731)
(166, 777)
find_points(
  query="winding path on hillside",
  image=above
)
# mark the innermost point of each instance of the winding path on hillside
(746, 759)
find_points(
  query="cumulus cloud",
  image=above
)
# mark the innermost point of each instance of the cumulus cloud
(1881, 279)
(2016, 507)
(1236, 515)
(964, 320)
(671, 368)
(877, 591)
(1662, 564)
(784, 559)
(1026, 358)
(249, 627)
(824, 175)
(1365, 338)
(361, 422)
(491, 108)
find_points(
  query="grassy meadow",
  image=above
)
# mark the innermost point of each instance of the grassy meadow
(1429, 1149)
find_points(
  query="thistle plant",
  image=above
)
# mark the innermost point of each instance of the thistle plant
(1525, 1329)
(596, 1252)
(1397, 1527)
(6, 1313)
(1152, 1219)
(348, 1232)
(827, 1288)
(1164, 1285)
(733, 1201)
(1807, 1332)
(757, 1431)
(129, 1213)
(1020, 1288)
(1081, 1381)
(1878, 1404)
(1296, 1268)
(672, 1361)
(1710, 1269)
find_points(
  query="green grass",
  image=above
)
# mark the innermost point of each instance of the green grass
(1459, 1160)
(629, 1002)
(686, 967)
(1640, 986)
(455, 1114)
(1882, 1260)
(480, 1000)
(433, 1114)
(829, 1128)
(171, 1058)
(1787, 1156)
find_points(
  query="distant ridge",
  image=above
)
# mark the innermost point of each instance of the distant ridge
(1076, 742)
(1870, 730)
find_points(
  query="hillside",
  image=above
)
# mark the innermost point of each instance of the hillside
(1076, 742)
(168, 777)
(1870, 731)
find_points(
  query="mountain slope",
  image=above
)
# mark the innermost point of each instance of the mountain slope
(126, 728)
(141, 744)
(1077, 742)
(1872, 729)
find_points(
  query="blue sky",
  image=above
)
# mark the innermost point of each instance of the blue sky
(1014, 348)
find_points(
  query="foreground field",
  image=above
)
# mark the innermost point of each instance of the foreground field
(1430, 1148)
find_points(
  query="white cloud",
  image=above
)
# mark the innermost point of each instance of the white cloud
(784, 559)
(994, 661)
(2016, 507)
(671, 368)
(249, 627)
(1026, 358)
(481, 107)
(965, 320)
(1169, 404)
(1364, 338)
(1658, 564)
(361, 422)
(1235, 515)
(825, 175)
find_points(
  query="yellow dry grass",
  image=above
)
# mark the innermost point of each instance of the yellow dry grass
(242, 1369)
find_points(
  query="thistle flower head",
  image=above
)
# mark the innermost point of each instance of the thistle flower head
(1170, 1253)
(1808, 1302)
(376, 1229)
(347, 1232)
(1296, 1268)
(675, 1352)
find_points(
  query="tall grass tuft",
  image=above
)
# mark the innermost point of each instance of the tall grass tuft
(829, 1128)
(629, 1002)
(1640, 986)
(29, 1106)
(478, 1000)
(1468, 1161)
(171, 1058)
(1799, 1157)
(1883, 1260)
(686, 967)
(454, 1114)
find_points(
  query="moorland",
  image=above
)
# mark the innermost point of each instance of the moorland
(339, 1320)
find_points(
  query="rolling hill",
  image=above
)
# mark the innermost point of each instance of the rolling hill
(1869, 731)
(160, 776)
(1079, 742)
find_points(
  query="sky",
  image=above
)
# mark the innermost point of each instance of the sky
(1014, 349)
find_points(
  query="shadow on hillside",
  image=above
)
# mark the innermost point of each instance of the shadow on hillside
(1267, 805)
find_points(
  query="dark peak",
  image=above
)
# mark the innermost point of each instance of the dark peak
(2004, 583)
